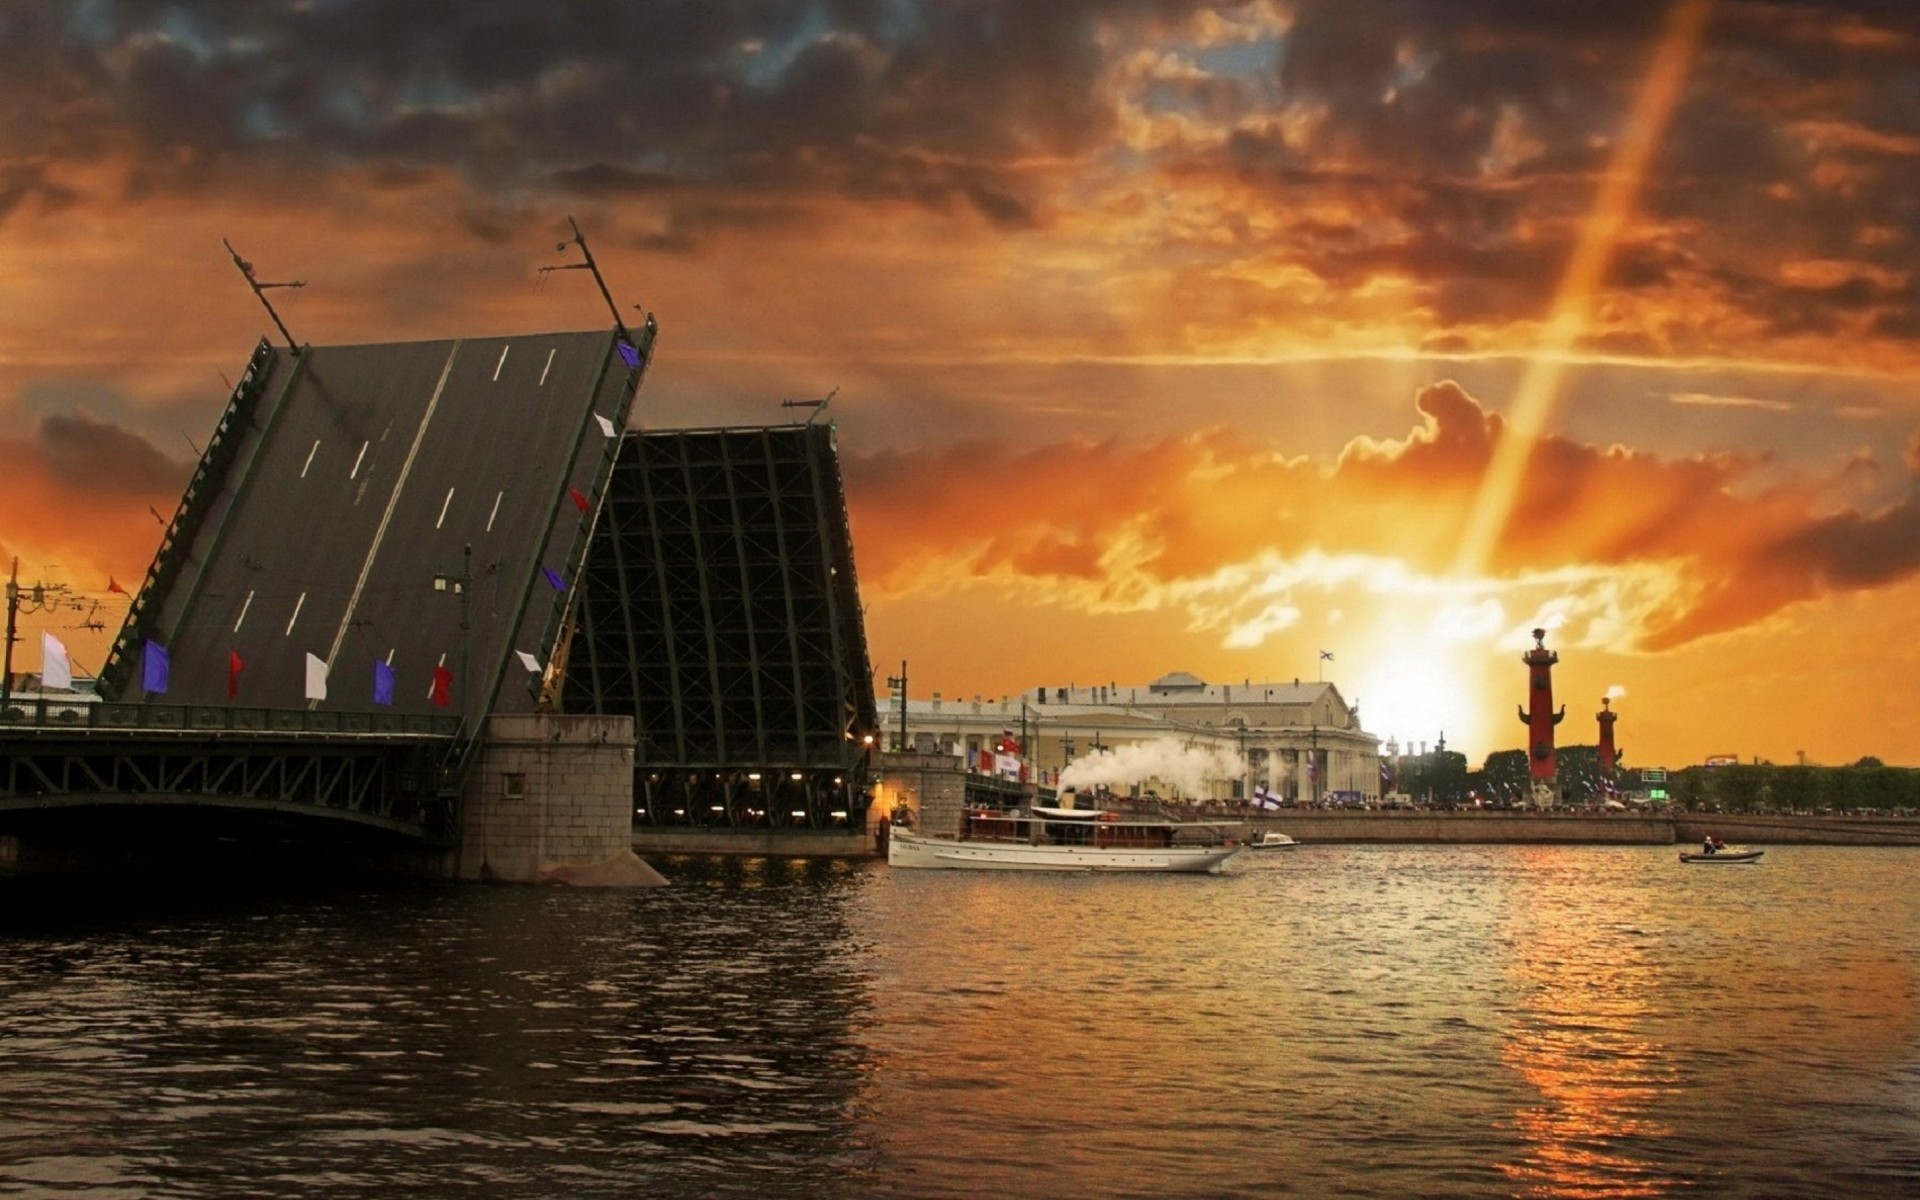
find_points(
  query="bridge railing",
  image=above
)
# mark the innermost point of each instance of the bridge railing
(61, 714)
(209, 477)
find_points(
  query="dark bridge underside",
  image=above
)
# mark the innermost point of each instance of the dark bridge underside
(719, 609)
(389, 784)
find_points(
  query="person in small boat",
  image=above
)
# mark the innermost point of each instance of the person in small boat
(1709, 845)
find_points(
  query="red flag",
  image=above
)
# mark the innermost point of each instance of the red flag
(114, 586)
(235, 665)
(579, 499)
(442, 682)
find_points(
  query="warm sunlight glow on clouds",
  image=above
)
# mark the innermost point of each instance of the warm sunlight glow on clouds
(1175, 336)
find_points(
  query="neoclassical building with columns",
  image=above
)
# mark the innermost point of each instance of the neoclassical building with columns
(1300, 740)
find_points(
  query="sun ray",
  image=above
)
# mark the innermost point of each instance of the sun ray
(1539, 387)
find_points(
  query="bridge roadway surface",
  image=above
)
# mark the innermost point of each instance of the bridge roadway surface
(362, 480)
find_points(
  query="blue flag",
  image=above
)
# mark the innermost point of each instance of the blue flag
(382, 683)
(153, 667)
(628, 355)
(553, 577)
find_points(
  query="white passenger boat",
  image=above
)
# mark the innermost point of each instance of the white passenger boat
(1064, 839)
(1272, 839)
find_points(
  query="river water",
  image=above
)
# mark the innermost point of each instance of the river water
(1328, 1021)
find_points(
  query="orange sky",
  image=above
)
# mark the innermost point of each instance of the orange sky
(1169, 337)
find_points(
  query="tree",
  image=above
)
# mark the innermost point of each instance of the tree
(1506, 775)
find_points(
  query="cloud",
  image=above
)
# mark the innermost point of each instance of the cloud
(78, 494)
(1365, 173)
(82, 453)
(1642, 552)
(1706, 400)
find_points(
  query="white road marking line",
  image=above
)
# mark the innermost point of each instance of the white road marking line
(297, 605)
(501, 363)
(355, 473)
(548, 367)
(393, 500)
(496, 510)
(310, 454)
(245, 605)
(443, 509)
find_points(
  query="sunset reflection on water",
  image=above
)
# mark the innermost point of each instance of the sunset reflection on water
(1364, 1021)
(1582, 1040)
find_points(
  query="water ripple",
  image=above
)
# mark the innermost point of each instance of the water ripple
(1374, 1021)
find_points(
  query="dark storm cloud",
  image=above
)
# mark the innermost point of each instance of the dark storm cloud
(925, 102)
(1464, 138)
(83, 453)
(1468, 138)
(1855, 550)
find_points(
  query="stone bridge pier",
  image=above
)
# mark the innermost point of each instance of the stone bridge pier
(550, 800)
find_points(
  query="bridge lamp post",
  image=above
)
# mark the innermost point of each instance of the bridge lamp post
(461, 585)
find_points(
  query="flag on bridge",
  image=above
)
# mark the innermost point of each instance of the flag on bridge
(316, 678)
(441, 693)
(382, 682)
(1263, 799)
(114, 586)
(579, 499)
(153, 667)
(235, 665)
(56, 669)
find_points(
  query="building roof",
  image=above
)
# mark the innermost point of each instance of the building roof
(1172, 690)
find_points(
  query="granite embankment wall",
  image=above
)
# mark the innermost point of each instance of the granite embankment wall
(1621, 829)
(1411, 828)
(756, 843)
(1798, 831)
(1309, 826)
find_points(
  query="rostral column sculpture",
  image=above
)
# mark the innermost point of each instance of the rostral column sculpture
(1542, 770)
(1609, 756)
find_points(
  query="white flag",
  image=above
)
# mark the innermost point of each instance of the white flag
(56, 669)
(528, 661)
(316, 679)
(606, 426)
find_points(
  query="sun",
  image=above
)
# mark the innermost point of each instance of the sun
(1414, 691)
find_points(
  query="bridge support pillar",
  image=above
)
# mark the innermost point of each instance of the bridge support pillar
(550, 800)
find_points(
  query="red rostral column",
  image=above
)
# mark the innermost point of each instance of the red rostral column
(1609, 757)
(1540, 719)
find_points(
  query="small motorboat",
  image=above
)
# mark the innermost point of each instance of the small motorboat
(1732, 854)
(1272, 839)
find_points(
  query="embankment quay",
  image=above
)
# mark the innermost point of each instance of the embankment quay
(1575, 828)
(1316, 827)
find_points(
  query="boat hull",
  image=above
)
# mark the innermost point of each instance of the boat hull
(1724, 856)
(906, 849)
